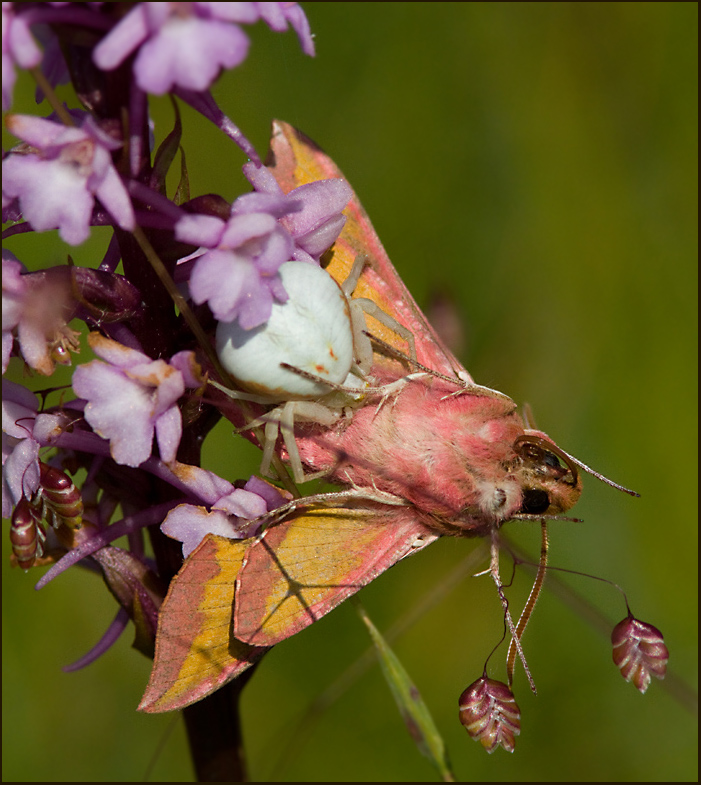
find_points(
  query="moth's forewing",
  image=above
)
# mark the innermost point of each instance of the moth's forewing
(196, 652)
(303, 568)
(273, 587)
(295, 160)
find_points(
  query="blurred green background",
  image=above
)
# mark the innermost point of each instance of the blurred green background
(535, 162)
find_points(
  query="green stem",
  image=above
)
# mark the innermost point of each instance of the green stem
(51, 96)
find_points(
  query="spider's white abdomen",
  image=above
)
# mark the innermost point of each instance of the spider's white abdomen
(311, 331)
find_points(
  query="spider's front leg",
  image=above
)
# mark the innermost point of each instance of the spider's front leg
(281, 420)
(359, 307)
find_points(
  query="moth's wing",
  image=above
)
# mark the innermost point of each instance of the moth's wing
(196, 652)
(295, 160)
(303, 568)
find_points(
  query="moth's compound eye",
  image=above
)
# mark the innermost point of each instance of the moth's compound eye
(546, 458)
(550, 459)
(551, 462)
(535, 501)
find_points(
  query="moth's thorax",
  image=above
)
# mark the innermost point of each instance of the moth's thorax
(455, 457)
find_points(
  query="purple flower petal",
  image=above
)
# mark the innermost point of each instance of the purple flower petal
(204, 230)
(20, 450)
(189, 368)
(275, 250)
(322, 237)
(41, 132)
(255, 311)
(38, 307)
(239, 280)
(314, 211)
(242, 229)
(20, 473)
(169, 430)
(207, 486)
(180, 45)
(277, 15)
(116, 353)
(124, 37)
(219, 278)
(14, 288)
(110, 395)
(56, 185)
(277, 205)
(147, 389)
(51, 195)
(18, 47)
(109, 638)
(189, 53)
(243, 504)
(115, 199)
(321, 200)
(262, 179)
(190, 524)
(300, 24)
(229, 516)
(48, 427)
(273, 497)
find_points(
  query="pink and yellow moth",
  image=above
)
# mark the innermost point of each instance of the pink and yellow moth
(443, 456)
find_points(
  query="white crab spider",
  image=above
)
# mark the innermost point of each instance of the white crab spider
(320, 330)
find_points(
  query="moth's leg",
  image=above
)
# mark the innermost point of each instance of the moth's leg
(515, 638)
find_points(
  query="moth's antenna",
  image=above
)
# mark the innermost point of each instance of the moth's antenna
(599, 476)
(528, 417)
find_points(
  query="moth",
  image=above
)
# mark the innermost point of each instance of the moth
(443, 456)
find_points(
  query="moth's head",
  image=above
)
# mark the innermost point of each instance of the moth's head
(549, 480)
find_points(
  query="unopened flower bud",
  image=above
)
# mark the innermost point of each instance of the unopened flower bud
(60, 497)
(27, 535)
